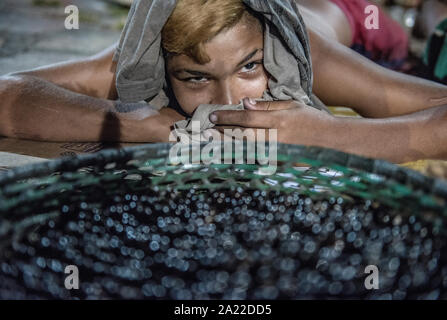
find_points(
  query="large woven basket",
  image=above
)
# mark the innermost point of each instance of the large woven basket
(137, 226)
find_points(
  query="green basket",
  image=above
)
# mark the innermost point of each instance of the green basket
(316, 200)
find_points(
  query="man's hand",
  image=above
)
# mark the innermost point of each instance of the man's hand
(167, 118)
(149, 125)
(296, 123)
(416, 136)
(36, 109)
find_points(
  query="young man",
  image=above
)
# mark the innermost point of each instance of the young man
(405, 117)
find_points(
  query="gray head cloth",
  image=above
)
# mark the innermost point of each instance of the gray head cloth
(141, 65)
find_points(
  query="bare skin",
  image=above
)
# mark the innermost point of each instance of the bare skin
(334, 26)
(234, 72)
(74, 101)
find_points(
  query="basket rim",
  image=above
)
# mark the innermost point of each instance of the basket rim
(403, 175)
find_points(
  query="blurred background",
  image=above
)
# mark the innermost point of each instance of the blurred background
(32, 32)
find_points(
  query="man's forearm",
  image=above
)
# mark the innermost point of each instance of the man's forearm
(32, 108)
(345, 78)
(421, 135)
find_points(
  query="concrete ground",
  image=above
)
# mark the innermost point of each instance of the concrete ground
(32, 32)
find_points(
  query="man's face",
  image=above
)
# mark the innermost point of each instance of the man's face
(235, 71)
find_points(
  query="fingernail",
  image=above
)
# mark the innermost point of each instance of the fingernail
(252, 101)
(213, 117)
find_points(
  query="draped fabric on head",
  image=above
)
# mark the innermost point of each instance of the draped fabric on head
(286, 50)
(141, 66)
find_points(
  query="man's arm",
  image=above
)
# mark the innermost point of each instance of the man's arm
(92, 76)
(343, 77)
(74, 102)
(417, 136)
(420, 135)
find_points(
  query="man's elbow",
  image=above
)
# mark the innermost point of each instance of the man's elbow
(433, 131)
(8, 84)
(11, 86)
(441, 119)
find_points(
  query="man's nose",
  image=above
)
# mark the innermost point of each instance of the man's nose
(226, 94)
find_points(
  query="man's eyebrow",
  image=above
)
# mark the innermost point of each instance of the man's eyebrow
(193, 72)
(248, 57)
(205, 74)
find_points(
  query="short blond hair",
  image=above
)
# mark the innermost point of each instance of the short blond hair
(194, 22)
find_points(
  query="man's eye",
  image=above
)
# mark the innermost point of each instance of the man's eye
(251, 66)
(196, 79)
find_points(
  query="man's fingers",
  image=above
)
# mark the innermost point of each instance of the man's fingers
(223, 128)
(251, 104)
(257, 114)
(245, 118)
(238, 133)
